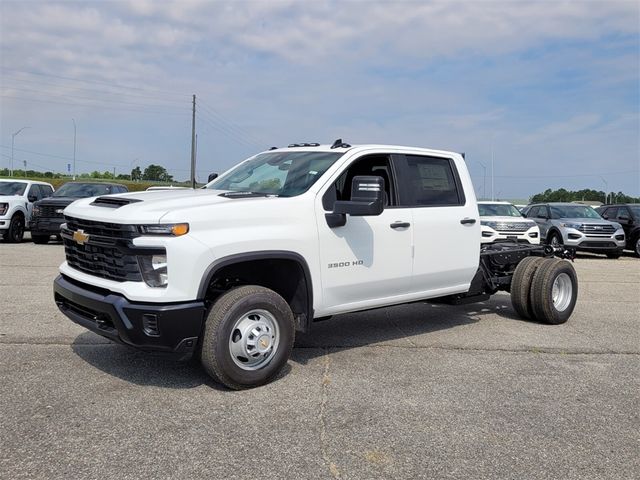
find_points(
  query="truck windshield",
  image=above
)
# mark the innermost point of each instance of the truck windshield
(573, 211)
(498, 210)
(285, 174)
(12, 188)
(83, 190)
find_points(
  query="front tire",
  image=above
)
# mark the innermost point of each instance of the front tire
(637, 246)
(40, 239)
(248, 337)
(15, 232)
(554, 291)
(555, 240)
(613, 255)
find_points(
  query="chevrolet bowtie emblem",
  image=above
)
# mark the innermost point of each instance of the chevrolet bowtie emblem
(80, 237)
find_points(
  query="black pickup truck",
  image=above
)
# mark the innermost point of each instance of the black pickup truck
(47, 216)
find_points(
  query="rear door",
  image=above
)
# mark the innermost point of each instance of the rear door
(446, 224)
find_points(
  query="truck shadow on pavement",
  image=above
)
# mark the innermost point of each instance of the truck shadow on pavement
(375, 327)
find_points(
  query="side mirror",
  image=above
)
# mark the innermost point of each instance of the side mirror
(32, 198)
(212, 176)
(367, 197)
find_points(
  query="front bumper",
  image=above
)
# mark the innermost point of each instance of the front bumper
(594, 242)
(490, 235)
(46, 225)
(168, 328)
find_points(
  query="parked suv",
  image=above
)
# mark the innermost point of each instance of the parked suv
(501, 221)
(16, 202)
(47, 214)
(627, 215)
(577, 226)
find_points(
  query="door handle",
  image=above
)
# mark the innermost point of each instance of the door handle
(400, 225)
(468, 221)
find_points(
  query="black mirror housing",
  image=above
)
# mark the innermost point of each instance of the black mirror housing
(32, 198)
(212, 176)
(367, 197)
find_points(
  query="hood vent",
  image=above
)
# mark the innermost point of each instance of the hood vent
(113, 202)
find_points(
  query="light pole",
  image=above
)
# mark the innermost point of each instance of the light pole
(13, 137)
(606, 187)
(74, 148)
(492, 183)
(484, 178)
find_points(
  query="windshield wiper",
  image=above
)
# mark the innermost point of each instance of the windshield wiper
(247, 194)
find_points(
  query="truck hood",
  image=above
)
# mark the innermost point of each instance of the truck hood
(56, 201)
(507, 219)
(148, 206)
(593, 221)
(11, 198)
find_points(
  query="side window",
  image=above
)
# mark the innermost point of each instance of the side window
(378, 165)
(431, 181)
(46, 191)
(623, 214)
(34, 191)
(610, 213)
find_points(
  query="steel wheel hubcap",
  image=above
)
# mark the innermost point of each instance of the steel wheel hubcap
(561, 292)
(254, 339)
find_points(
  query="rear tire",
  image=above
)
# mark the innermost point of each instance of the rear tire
(248, 337)
(40, 239)
(521, 285)
(637, 246)
(554, 291)
(15, 232)
(613, 255)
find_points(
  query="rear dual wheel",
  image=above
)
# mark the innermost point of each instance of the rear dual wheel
(544, 289)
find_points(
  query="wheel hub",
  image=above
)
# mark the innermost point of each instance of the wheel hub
(561, 292)
(254, 339)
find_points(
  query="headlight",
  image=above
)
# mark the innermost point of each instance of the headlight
(3, 208)
(575, 226)
(489, 223)
(154, 270)
(175, 229)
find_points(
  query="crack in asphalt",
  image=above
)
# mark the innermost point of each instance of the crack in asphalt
(326, 380)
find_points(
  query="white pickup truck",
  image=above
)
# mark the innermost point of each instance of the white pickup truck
(291, 236)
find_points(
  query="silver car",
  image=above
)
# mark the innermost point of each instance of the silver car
(577, 226)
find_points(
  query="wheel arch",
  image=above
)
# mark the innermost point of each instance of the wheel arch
(285, 272)
(553, 230)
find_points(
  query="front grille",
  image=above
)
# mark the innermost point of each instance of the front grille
(598, 244)
(106, 254)
(597, 229)
(518, 227)
(102, 261)
(102, 229)
(49, 211)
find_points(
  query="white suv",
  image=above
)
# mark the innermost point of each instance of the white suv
(501, 221)
(16, 204)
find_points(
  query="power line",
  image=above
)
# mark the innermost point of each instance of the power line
(212, 125)
(65, 158)
(81, 89)
(77, 104)
(214, 113)
(95, 82)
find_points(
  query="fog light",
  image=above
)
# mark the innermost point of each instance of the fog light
(619, 237)
(154, 270)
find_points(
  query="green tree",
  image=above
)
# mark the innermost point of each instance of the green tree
(156, 173)
(136, 174)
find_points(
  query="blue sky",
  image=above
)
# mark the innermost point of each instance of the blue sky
(551, 87)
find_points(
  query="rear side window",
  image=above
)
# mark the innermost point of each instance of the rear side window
(46, 190)
(430, 181)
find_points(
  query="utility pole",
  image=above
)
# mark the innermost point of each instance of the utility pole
(74, 148)
(606, 187)
(193, 144)
(13, 137)
(492, 182)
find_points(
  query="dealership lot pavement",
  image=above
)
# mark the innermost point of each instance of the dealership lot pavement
(416, 391)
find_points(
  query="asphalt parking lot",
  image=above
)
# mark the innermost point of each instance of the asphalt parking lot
(416, 391)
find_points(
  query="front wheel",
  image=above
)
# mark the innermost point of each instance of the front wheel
(613, 255)
(248, 337)
(554, 291)
(16, 229)
(555, 240)
(637, 246)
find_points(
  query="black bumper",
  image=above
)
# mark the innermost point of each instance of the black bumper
(168, 328)
(44, 226)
